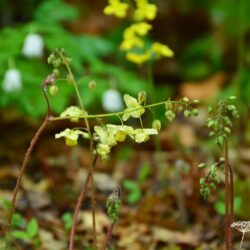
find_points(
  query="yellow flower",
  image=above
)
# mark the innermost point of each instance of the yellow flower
(103, 149)
(142, 135)
(73, 112)
(138, 58)
(131, 104)
(144, 10)
(161, 50)
(116, 8)
(132, 42)
(105, 136)
(140, 28)
(71, 136)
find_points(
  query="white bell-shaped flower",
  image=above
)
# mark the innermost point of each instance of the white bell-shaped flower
(112, 100)
(33, 46)
(12, 80)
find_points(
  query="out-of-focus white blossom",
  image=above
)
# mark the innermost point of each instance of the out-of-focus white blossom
(33, 46)
(12, 80)
(112, 100)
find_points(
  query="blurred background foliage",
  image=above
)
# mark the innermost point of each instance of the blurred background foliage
(207, 36)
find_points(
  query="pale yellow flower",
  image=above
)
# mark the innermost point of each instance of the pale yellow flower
(131, 104)
(117, 8)
(138, 58)
(161, 50)
(105, 136)
(144, 10)
(141, 29)
(73, 112)
(121, 131)
(142, 135)
(103, 149)
(71, 136)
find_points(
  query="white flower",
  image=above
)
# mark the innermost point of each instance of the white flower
(12, 80)
(112, 100)
(33, 46)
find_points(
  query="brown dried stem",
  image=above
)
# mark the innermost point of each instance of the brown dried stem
(48, 81)
(78, 205)
(108, 236)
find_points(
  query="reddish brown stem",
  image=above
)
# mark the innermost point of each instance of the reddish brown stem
(49, 80)
(231, 186)
(227, 199)
(108, 236)
(78, 205)
(23, 168)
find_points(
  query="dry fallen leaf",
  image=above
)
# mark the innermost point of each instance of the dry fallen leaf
(171, 236)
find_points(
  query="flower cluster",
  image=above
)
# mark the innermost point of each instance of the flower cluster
(109, 135)
(133, 37)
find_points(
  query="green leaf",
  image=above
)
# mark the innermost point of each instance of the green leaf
(145, 171)
(68, 221)
(32, 228)
(135, 192)
(22, 235)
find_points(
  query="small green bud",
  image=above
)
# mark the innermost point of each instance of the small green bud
(232, 97)
(180, 109)
(56, 72)
(202, 181)
(142, 96)
(92, 84)
(70, 78)
(202, 165)
(156, 125)
(227, 130)
(187, 113)
(219, 141)
(57, 62)
(212, 185)
(195, 101)
(170, 115)
(235, 114)
(231, 107)
(195, 112)
(210, 109)
(185, 99)
(210, 123)
(211, 133)
(53, 90)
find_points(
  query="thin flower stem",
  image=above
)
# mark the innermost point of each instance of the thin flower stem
(91, 148)
(23, 168)
(49, 80)
(243, 234)
(108, 236)
(78, 205)
(115, 113)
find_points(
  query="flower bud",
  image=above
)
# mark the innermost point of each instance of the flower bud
(156, 125)
(92, 84)
(53, 90)
(142, 96)
(70, 78)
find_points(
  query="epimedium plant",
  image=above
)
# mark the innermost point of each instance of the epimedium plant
(102, 138)
(220, 123)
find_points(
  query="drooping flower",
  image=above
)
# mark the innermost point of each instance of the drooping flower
(142, 134)
(33, 46)
(12, 80)
(121, 131)
(144, 10)
(132, 42)
(73, 112)
(138, 58)
(112, 100)
(133, 109)
(71, 136)
(161, 50)
(117, 8)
